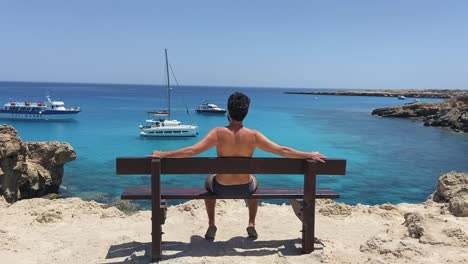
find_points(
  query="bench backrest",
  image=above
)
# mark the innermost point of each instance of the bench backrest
(230, 165)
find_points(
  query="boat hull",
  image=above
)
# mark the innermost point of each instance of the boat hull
(39, 115)
(211, 111)
(180, 131)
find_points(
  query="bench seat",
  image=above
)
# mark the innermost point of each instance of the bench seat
(144, 193)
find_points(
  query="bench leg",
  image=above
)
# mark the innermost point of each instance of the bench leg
(308, 223)
(156, 235)
(308, 227)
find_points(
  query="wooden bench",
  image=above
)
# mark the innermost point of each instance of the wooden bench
(158, 195)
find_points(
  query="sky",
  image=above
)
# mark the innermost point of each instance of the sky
(366, 44)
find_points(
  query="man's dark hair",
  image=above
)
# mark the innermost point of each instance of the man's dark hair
(238, 106)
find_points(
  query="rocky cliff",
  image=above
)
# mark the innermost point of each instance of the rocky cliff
(451, 113)
(30, 169)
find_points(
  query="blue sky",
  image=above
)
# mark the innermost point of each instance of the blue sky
(309, 44)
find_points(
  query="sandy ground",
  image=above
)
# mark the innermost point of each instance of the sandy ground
(73, 231)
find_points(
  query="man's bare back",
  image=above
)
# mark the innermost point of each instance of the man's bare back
(235, 141)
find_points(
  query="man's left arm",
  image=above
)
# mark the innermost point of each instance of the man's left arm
(209, 141)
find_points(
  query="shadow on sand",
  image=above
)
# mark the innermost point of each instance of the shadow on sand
(137, 252)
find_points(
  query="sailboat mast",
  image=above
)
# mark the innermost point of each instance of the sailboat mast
(168, 88)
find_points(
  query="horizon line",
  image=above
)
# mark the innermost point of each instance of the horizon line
(233, 86)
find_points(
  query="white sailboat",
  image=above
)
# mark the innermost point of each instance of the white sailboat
(158, 126)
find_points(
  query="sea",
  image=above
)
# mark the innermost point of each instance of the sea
(388, 159)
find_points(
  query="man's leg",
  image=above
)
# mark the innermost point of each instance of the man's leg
(253, 206)
(210, 210)
(210, 205)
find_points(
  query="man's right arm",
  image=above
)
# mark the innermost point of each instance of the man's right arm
(267, 145)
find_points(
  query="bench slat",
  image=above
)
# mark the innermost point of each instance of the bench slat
(228, 165)
(144, 193)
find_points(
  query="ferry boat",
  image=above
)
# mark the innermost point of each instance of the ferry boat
(49, 110)
(207, 107)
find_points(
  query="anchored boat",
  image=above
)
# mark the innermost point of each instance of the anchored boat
(158, 126)
(48, 110)
(207, 107)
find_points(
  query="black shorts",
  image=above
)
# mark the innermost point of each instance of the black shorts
(238, 190)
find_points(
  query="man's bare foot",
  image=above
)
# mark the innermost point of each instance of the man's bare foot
(211, 232)
(297, 206)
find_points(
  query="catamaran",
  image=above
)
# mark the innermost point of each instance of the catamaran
(158, 126)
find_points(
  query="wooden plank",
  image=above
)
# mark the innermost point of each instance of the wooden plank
(156, 220)
(308, 222)
(135, 165)
(144, 193)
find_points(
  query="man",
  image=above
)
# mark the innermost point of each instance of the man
(235, 140)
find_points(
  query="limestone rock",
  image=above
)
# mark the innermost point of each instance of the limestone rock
(451, 113)
(458, 205)
(30, 169)
(333, 208)
(414, 222)
(449, 184)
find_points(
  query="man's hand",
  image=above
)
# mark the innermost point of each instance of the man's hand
(317, 156)
(157, 154)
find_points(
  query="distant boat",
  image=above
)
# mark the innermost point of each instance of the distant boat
(401, 97)
(49, 110)
(158, 126)
(207, 107)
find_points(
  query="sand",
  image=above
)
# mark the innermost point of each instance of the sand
(74, 231)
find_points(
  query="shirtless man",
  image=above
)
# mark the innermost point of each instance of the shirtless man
(235, 140)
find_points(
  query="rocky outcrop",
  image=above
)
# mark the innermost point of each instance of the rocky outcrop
(414, 93)
(452, 188)
(30, 169)
(451, 113)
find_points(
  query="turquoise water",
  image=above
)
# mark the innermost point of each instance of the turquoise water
(389, 160)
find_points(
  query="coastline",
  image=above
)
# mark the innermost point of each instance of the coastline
(74, 231)
(451, 113)
(414, 93)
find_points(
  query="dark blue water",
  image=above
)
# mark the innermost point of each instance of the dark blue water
(389, 160)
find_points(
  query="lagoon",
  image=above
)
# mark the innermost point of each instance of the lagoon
(389, 159)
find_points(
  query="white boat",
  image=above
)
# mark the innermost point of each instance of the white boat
(401, 97)
(158, 126)
(49, 110)
(207, 107)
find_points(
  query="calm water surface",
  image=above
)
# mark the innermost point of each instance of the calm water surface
(389, 160)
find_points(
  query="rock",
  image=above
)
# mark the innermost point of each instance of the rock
(451, 113)
(333, 208)
(458, 205)
(388, 206)
(30, 169)
(414, 222)
(449, 184)
(454, 232)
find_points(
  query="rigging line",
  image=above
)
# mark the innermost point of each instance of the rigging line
(178, 86)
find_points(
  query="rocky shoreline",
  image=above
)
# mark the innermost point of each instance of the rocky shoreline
(414, 93)
(30, 169)
(451, 113)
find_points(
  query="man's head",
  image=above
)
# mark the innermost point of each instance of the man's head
(238, 106)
